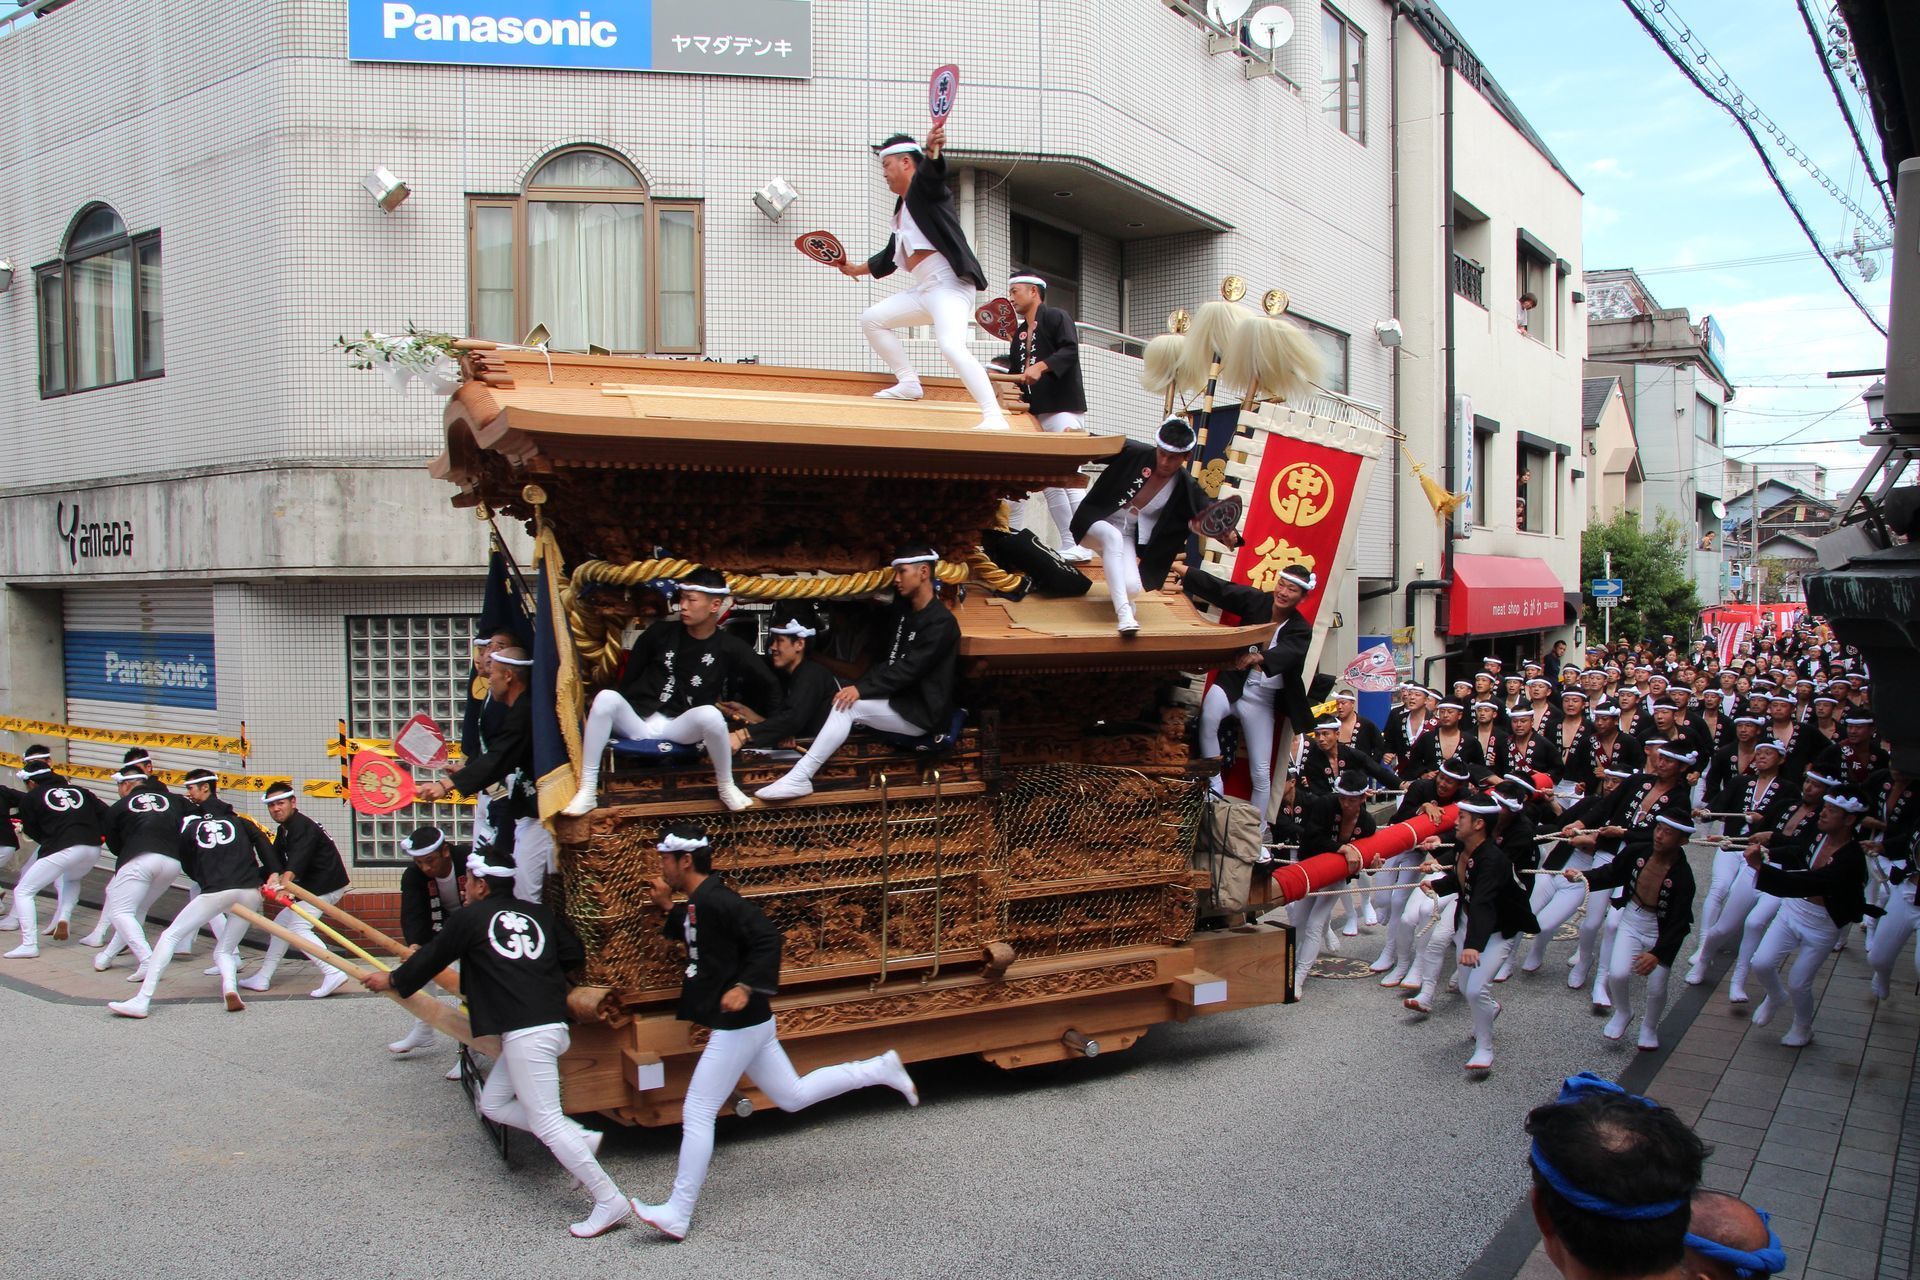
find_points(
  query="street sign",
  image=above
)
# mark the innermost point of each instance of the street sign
(1608, 590)
(1606, 602)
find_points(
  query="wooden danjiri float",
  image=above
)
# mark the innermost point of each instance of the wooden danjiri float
(1024, 892)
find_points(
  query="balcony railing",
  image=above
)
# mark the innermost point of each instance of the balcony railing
(1469, 277)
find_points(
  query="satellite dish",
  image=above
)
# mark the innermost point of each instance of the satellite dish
(1718, 508)
(1270, 26)
(1227, 12)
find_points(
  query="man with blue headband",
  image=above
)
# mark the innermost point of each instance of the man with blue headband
(1729, 1239)
(1613, 1178)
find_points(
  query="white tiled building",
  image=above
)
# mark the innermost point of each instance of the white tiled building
(181, 195)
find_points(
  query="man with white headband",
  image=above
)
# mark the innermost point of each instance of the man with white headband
(35, 756)
(68, 823)
(1653, 897)
(926, 241)
(679, 672)
(220, 851)
(733, 966)
(1135, 515)
(1045, 353)
(910, 691)
(806, 686)
(1857, 756)
(1265, 688)
(143, 831)
(430, 892)
(133, 760)
(508, 765)
(311, 861)
(1817, 904)
(1760, 794)
(1330, 822)
(1403, 958)
(1492, 912)
(514, 958)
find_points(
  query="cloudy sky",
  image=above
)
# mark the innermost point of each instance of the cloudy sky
(1674, 190)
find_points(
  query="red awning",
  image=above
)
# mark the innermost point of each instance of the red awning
(1493, 595)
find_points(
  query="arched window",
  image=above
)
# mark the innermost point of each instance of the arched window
(585, 251)
(99, 306)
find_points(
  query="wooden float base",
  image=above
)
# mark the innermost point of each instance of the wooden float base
(637, 1074)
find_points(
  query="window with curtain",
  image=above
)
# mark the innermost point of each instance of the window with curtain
(585, 251)
(98, 307)
(1333, 347)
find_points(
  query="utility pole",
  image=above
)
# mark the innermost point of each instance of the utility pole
(1606, 615)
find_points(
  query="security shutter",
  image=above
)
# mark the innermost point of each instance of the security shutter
(140, 658)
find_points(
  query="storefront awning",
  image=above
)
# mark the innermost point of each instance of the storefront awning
(1494, 595)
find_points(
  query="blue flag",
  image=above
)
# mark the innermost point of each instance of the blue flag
(500, 610)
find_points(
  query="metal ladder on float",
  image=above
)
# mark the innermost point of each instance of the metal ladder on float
(889, 824)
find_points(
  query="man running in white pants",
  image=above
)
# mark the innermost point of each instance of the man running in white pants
(910, 692)
(431, 890)
(313, 862)
(229, 865)
(143, 830)
(927, 241)
(733, 966)
(68, 824)
(514, 957)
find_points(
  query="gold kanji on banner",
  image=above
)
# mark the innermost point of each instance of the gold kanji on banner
(1275, 554)
(1302, 494)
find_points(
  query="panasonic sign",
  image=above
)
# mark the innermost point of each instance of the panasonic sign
(703, 37)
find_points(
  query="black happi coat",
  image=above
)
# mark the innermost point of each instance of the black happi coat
(1842, 882)
(145, 820)
(59, 815)
(1492, 899)
(1674, 903)
(513, 956)
(918, 674)
(1126, 473)
(931, 205)
(806, 695)
(1053, 341)
(309, 853)
(509, 755)
(1318, 771)
(422, 912)
(729, 943)
(671, 671)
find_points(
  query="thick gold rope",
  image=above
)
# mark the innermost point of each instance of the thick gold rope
(599, 647)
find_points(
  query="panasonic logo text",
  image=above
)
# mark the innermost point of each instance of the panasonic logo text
(460, 28)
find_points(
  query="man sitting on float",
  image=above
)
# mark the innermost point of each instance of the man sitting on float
(678, 671)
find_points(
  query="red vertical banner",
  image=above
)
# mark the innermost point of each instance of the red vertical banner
(1297, 513)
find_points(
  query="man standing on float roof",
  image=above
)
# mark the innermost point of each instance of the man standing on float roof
(927, 241)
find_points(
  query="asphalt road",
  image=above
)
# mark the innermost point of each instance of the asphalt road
(1331, 1138)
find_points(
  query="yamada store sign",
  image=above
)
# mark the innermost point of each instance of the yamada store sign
(700, 37)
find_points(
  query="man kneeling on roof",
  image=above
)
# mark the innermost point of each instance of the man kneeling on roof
(910, 692)
(677, 674)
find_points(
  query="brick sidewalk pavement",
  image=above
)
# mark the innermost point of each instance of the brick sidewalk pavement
(1825, 1138)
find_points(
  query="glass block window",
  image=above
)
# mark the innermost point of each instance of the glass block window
(399, 666)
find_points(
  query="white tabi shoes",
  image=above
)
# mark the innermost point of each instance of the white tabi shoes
(905, 389)
(787, 788)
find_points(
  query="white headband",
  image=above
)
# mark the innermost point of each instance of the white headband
(671, 843)
(1342, 791)
(1026, 279)
(792, 627)
(504, 660)
(1822, 779)
(1510, 805)
(926, 558)
(1484, 810)
(1677, 825)
(1446, 767)
(1521, 780)
(899, 149)
(1781, 747)
(1292, 575)
(431, 849)
(1684, 757)
(128, 775)
(27, 773)
(477, 865)
(722, 592)
(277, 792)
(1846, 804)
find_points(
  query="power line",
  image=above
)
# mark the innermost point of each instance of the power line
(1840, 101)
(1741, 106)
(1740, 119)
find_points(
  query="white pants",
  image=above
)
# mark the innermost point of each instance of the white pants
(1309, 917)
(1728, 863)
(1059, 502)
(1215, 707)
(1445, 911)
(1894, 931)
(1592, 945)
(1259, 731)
(1555, 899)
(226, 951)
(1476, 983)
(613, 715)
(523, 1092)
(9, 853)
(1635, 932)
(137, 883)
(942, 299)
(1403, 915)
(1759, 920)
(1805, 933)
(871, 712)
(754, 1052)
(1119, 561)
(532, 858)
(66, 868)
(1738, 899)
(294, 922)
